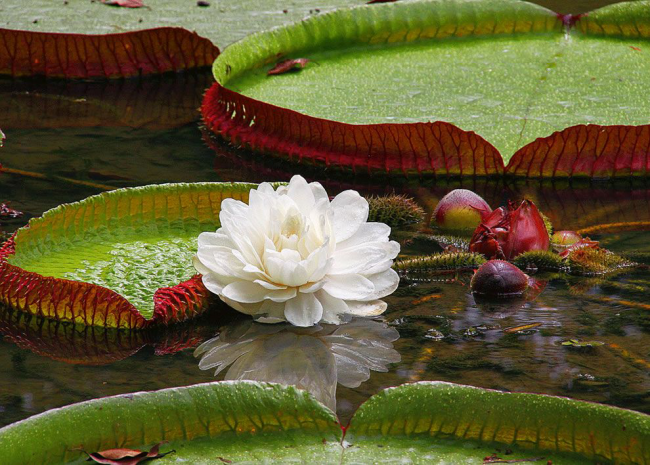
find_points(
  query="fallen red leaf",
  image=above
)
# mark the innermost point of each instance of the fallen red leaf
(124, 3)
(635, 48)
(288, 65)
(126, 456)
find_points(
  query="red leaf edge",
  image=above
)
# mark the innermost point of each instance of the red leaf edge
(591, 151)
(90, 304)
(438, 148)
(149, 51)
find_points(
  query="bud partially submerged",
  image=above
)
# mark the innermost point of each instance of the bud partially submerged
(509, 231)
(498, 278)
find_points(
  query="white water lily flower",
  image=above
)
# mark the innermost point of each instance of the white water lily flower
(293, 255)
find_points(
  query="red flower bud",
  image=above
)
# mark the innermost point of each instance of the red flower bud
(511, 231)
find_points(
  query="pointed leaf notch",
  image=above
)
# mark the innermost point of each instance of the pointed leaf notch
(243, 420)
(432, 149)
(127, 54)
(68, 264)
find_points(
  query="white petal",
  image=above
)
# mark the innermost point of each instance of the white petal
(349, 286)
(319, 192)
(311, 287)
(333, 308)
(248, 309)
(216, 238)
(271, 313)
(358, 259)
(268, 285)
(372, 308)
(212, 284)
(245, 292)
(303, 310)
(367, 232)
(301, 193)
(350, 210)
(385, 283)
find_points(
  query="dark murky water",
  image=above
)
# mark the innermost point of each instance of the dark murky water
(67, 137)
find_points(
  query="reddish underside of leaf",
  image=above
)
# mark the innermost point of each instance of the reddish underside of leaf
(439, 148)
(150, 51)
(591, 151)
(93, 305)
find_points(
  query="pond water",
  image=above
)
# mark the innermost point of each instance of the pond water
(67, 139)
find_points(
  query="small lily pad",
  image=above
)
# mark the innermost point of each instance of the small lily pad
(119, 259)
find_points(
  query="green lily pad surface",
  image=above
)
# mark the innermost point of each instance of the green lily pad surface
(240, 421)
(507, 70)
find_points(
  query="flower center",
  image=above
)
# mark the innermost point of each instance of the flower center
(292, 225)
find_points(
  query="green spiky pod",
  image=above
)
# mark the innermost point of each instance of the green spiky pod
(543, 260)
(438, 262)
(459, 243)
(589, 261)
(548, 224)
(394, 210)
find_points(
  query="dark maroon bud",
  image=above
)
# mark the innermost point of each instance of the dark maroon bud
(498, 278)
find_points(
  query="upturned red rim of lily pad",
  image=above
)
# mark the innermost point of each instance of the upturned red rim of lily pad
(99, 56)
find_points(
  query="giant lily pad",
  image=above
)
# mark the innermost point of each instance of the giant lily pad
(506, 70)
(118, 259)
(248, 421)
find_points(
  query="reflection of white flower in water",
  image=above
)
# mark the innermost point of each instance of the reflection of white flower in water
(313, 359)
(293, 255)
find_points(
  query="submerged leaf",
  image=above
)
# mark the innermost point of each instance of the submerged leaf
(523, 329)
(576, 344)
(285, 66)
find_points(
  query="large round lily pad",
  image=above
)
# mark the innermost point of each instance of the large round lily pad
(118, 259)
(404, 87)
(430, 422)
